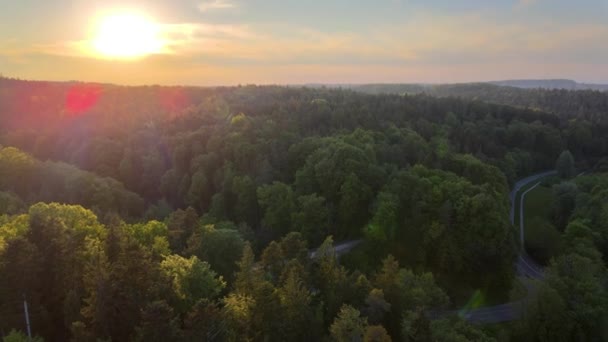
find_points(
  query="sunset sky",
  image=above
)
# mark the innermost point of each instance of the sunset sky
(218, 42)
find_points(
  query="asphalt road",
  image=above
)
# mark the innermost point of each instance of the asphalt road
(340, 249)
(525, 267)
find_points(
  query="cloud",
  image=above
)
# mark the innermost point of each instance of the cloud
(183, 39)
(479, 38)
(426, 39)
(195, 39)
(215, 5)
(12, 48)
(428, 46)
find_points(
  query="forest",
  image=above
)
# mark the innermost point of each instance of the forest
(567, 104)
(190, 214)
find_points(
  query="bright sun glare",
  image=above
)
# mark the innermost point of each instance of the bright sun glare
(127, 35)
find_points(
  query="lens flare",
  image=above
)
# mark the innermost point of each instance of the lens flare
(476, 301)
(81, 97)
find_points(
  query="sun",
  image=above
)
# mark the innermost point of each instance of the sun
(126, 36)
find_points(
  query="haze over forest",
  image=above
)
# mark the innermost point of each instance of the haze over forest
(226, 170)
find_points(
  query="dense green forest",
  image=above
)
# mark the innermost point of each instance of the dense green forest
(572, 302)
(590, 105)
(175, 213)
(551, 84)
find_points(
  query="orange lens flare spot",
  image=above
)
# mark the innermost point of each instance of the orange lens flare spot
(81, 98)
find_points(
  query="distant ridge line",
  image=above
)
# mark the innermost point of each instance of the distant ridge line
(551, 84)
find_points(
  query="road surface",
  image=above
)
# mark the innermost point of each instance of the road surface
(525, 267)
(340, 249)
(493, 314)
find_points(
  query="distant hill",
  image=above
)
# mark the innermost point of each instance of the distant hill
(551, 84)
(589, 104)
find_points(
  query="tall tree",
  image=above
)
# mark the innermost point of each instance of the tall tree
(220, 245)
(191, 280)
(277, 203)
(348, 326)
(158, 324)
(565, 165)
(295, 301)
(376, 333)
(311, 218)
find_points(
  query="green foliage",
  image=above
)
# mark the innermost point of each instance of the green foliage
(565, 201)
(10, 203)
(421, 178)
(181, 224)
(12, 227)
(246, 208)
(440, 212)
(248, 274)
(34, 180)
(220, 247)
(17, 336)
(571, 305)
(238, 313)
(311, 218)
(376, 333)
(384, 224)
(348, 325)
(16, 168)
(354, 199)
(409, 295)
(191, 279)
(376, 306)
(565, 165)
(277, 203)
(547, 318)
(198, 190)
(415, 326)
(543, 241)
(579, 281)
(476, 172)
(152, 235)
(457, 330)
(566, 104)
(295, 300)
(158, 324)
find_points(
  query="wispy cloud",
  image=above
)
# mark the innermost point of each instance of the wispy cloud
(215, 5)
(427, 46)
(195, 39)
(183, 39)
(426, 39)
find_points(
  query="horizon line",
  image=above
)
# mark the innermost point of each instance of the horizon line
(304, 84)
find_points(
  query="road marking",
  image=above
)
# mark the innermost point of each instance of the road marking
(512, 310)
(522, 199)
(532, 269)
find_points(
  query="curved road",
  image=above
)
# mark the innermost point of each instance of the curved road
(525, 267)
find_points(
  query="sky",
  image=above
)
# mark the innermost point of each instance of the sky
(226, 42)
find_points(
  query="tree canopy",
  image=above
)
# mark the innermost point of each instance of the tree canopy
(184, 213)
